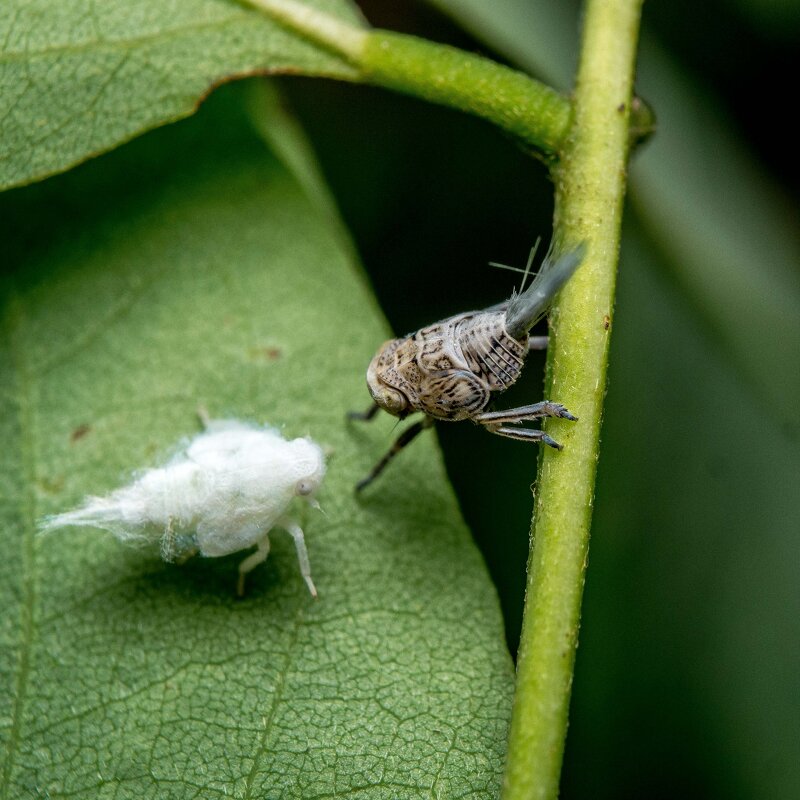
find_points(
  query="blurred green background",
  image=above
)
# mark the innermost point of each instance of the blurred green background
(688, 670)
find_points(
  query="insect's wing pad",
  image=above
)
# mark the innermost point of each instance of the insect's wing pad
(526, 309)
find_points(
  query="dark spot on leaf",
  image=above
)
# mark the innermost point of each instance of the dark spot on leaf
(621, 107)
(80, 432)
(52, 485)
(606, 322)
(263, 353)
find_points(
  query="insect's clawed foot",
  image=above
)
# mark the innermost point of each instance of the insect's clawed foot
(525, 435)
(564, 413)
(311, 587)
(364, 482)
(549, 440)
(497, 421)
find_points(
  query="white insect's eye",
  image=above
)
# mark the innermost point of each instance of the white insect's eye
(305, 487)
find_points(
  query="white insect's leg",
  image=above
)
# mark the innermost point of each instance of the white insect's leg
(252, 561)
(203, 416)
(296, 532)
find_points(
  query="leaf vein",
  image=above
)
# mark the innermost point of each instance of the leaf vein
(129, 43)
(30, 145)
(276, 700)
(140, 690)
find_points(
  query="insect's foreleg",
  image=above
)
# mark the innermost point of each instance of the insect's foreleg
(526, 435)
(364, 415)
(546, 408)
(251, 562)
(408, 435)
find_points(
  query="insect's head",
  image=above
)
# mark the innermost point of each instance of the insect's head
(380, 370)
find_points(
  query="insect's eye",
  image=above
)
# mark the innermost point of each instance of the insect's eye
(304, 487)
(392, 401)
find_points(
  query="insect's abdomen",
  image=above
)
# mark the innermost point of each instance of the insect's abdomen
(490, 352)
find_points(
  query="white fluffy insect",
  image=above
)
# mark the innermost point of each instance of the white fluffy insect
(222, 492)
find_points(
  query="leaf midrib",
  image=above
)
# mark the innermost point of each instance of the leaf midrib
(277, 697)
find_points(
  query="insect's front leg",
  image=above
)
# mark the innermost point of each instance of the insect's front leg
(364, 416)
(496, 421)
(408, 435)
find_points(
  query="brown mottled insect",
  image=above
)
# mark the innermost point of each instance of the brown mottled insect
(449, 370)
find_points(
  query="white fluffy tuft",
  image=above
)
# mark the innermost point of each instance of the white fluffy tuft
(222, 492)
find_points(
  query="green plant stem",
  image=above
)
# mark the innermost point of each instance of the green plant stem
(535, 114)
(590, 186)
(532, 112)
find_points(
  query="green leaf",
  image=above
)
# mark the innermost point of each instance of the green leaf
(189, 268)
(78, 78)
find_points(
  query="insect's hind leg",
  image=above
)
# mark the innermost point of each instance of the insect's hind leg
(546, 408)
(251, 562)
(496, 421)
(407, 436)
(526, 435)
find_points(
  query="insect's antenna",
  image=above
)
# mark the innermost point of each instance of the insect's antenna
(524, 272)
(508, 267)
(531, 256)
